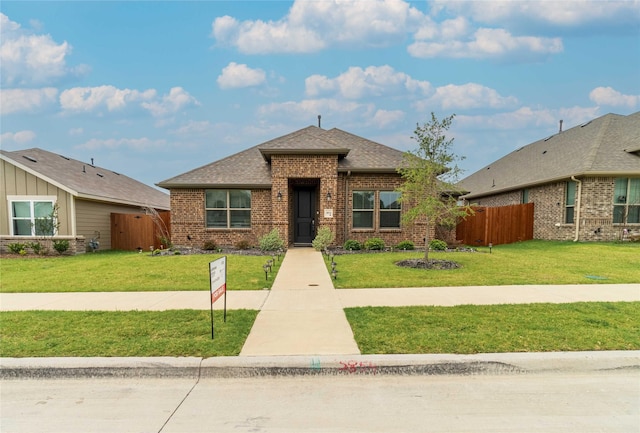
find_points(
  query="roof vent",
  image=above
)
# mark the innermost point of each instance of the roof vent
(64, 157)
(29, 158)
(548, 138)
(99, 174)
(585, 124)
(319, 117)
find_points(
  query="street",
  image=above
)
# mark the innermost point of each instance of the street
(542, 402)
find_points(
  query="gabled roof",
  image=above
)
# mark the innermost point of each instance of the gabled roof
(251, 169)
(606, 146)
(85, 180)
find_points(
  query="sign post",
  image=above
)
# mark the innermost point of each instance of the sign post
(218, 285)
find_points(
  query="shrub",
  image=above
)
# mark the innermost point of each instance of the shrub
(37, 248)
(243, 244)
(271, 241)
(61, 245)
(209, 245)
(405, 245)
(352, 245)
(374, 244)
(165, 241)
(17, 248)
(437, 245)
(323, 239)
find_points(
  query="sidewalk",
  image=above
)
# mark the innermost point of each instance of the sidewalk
(303, 314)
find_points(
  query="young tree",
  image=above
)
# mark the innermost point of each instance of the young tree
(430, 174)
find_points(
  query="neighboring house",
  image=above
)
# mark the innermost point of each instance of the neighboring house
(35, 180)
(584, 182)
(295, 184)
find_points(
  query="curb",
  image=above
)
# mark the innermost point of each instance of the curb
(333, 365)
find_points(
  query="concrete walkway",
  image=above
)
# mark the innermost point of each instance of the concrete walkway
(303, 314)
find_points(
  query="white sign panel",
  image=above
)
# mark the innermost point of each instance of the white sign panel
(218, 274)
(328, 213)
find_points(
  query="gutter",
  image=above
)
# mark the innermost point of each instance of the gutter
(577, 205)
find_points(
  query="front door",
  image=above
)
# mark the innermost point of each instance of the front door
(304, 215)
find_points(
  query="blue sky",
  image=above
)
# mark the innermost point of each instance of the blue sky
(154, 89)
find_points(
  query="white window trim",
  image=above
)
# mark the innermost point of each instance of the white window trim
(229, 209)
(30, 198)
(372, 210)
(381, 210)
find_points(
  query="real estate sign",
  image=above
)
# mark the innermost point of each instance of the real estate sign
(218, 274)
(218, 285)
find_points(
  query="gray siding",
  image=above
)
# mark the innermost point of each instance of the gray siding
(92, 216)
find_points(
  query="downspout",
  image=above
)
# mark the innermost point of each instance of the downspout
(346, 207)
(577, 205)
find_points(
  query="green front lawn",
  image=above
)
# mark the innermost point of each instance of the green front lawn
(124, 333)
(379, 330)
(531, 262)
(118, 271)
(497, 328)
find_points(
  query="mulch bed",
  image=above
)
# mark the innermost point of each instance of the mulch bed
(430, 264)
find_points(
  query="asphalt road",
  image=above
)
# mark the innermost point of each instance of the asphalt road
(602, 401)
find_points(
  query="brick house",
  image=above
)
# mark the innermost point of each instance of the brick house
(584, 182)
(295, 183)
(33, 181)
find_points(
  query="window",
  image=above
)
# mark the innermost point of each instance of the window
(32, 217)
(363, 209)
(389, 210)
(570, 202)
(626, 201)
(228, 208)
(525, 195)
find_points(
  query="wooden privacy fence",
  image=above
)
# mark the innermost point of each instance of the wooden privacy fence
(497, 225)
(133, 231)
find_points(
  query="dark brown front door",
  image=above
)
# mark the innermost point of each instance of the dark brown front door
(304, 215)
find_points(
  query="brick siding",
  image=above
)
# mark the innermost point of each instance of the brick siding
(595, 212)
(188, 220)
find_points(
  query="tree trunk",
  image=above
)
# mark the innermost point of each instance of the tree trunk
(426, 244)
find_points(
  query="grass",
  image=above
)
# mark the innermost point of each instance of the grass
(118, 271)
(497, 328)
(531, 262)
(133, 333)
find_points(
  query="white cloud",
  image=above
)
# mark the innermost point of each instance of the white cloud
(311, 26)
(487, 43)
(567, 13)
(76, 131)
(177, 99)
(610, 96)
(27, 59)
(26, 100)
(112, 99)
(193, 127)
(527, 117)
(384, 118)
(239, 75)
(20, 137)
(466, 96)
(358, 83)
(143, 143)
(87, 99)
(308, 110)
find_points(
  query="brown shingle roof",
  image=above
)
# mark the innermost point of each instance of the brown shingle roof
(603, 146)
(250, 168)
(85, 180)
